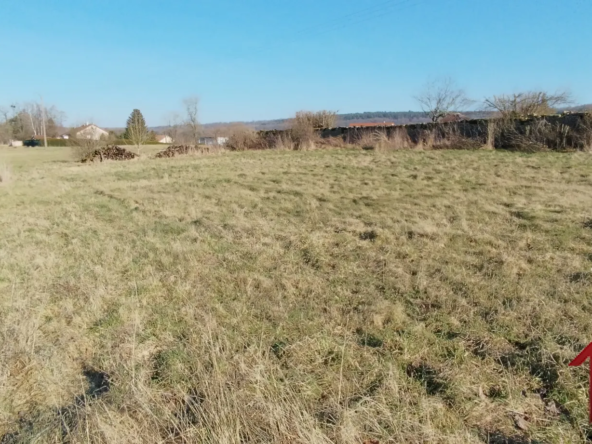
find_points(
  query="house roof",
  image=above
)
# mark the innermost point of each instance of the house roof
(161, 137)
(367, 124)
(83, 127)
(452, 117)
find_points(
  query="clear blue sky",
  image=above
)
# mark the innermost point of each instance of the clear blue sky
(256, 59)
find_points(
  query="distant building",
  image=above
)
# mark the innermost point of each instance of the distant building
(164, 139)
(452, 117)
(370, 124)
(89, 131)
(213, 140)
(15, 143)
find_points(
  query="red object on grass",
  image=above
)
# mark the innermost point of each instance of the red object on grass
(580, 359)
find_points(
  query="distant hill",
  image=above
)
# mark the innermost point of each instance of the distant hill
(579, 108)
(396, 117)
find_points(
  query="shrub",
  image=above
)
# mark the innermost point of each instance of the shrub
(450, 136)
(305, 124)
(528, 103)
(83, 148)
(538, 135)
(243, 138)
(284, 141)
(58, 142)
(303, 133)
(585, 132)
(382, 140)
(121, 142)
(315, 120)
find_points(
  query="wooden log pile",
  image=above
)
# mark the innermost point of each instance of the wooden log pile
(110, 152)
(173, 151)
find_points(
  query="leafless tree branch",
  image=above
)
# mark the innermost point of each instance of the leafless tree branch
(440, 97)
(527, 103)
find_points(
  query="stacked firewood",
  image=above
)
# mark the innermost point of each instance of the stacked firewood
(110, 152)
(173, 151)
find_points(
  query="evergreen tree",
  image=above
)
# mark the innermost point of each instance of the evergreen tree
(136, 131)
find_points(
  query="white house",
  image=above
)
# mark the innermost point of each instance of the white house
(213, 140)
(15, 143)
(164, 139)
(89, 131)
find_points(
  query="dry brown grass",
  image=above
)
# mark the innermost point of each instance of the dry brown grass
(330, 296)
(381, 141)
(284, 141)
(445, 137)
(5, 174)
(586, 132)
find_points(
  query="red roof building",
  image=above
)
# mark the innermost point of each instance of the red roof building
(371, 124)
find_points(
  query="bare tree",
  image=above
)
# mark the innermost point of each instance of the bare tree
(5, 112)
(32, 112)
(5, 133)
(43, 123)
(527, 103)
(173, 126)
(192, 122)
(33, 120)
(21, 128)
(5, 127)
(441, 97)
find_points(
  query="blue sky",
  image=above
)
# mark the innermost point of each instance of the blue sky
(253, 59)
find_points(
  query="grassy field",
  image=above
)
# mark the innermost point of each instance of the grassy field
(331, 296)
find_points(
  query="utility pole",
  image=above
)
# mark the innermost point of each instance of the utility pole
(43, 120)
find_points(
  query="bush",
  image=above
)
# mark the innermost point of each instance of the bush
(316, 120)
(306, 124)
(244, 138)
(83, 148)
(585, 131)
(58, 142)
(120, 142)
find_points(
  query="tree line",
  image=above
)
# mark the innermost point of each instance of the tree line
(437, 100)
(31, 119)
